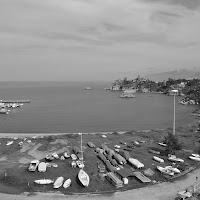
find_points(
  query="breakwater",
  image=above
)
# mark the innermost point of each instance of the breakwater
(15, 101)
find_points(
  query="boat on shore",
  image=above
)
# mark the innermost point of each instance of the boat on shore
(82, 175)
(83, 178)
(67, 183)
(43, 181)
(58, 183)
(4, 111)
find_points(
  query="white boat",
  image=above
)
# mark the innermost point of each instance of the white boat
(58, 183)
(195, 155)
(174, 158)
(80, 164)
(194, 158)
(43, 181)
(136, 163)
(162, 144)
(67, 183)
(4, 111)
(173, 169)
(83, 177)
(73, 156)
(55, 155)
(165, 171)
(127, 95)
(88, 88)
(33, 165)
(9, 143)
(158, 159)
(42, 167)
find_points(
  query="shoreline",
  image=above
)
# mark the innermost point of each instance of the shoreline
(31, 134)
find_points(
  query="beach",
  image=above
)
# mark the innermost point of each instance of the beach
(43, 144)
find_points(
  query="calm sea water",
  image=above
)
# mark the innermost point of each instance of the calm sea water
(67, 107)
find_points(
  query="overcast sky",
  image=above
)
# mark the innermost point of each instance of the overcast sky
(97, 39)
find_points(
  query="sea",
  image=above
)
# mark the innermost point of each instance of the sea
(66, 107)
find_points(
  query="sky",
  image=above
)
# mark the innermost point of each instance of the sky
(88, 40)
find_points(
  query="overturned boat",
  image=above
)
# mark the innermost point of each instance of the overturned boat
(43, 181)
(83, 178)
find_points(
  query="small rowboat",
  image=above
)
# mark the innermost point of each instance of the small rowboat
(43, 181)
(9, 143)
(83, 178)
(194, 158)
(173, 169)
(42, 167)
(195, 155)
(158, 159)
(165, 171)
(67, 183)
(162, 144)
(58, 183)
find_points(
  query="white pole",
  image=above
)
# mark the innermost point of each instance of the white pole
(175, 92)
(174, 115)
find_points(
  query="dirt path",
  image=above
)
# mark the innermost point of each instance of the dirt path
(164, 191)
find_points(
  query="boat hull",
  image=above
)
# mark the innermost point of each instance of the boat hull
(83, 178)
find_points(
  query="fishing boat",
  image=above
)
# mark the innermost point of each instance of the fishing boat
(67, 183)
(195, 155)
(58, 183)
(43, 181)
(173, 169)
(173, 158)
(194, 158)
(165, 170)
(82, 175)
(158, 159)
(9, 143)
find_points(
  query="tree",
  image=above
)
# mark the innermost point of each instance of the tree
(172, 143)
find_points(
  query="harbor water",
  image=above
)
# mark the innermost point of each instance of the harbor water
(66, 107)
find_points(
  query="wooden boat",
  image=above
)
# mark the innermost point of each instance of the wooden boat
(83, 178)
(58, 183)
(43, 181)
(158, 159)
(67, 183)
(194, 158)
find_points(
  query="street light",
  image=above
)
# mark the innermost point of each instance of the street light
(174, 92)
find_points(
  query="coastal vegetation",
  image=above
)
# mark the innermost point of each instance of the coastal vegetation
(189, 88)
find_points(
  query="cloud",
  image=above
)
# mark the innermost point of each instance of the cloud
(113, 33)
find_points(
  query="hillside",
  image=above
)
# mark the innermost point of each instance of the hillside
(175, 74)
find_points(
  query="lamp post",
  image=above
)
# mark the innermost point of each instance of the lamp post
(174, 92)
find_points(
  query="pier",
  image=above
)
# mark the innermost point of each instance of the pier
(15, 101)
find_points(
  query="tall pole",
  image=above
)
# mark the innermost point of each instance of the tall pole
(174, 115)
(175, 92)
